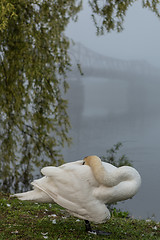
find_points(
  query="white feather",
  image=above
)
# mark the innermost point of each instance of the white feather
(75, 187)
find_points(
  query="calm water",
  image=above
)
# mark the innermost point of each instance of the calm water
(104, 112)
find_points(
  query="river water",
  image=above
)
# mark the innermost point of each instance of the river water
(106, 111)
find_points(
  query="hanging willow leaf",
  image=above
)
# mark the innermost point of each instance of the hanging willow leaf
(34, 59)
(109, 15)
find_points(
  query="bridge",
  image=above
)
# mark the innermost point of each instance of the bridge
(135, 81)
(97, 65)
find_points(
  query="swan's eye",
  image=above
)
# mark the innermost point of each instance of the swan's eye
(83, 163)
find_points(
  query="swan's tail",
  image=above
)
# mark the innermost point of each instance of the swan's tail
(35, 195)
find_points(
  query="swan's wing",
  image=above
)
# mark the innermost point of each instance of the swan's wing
(71, 186)
(69, 183)
(35, 195)
(51, 171)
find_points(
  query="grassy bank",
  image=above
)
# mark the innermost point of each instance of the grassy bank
(31, 221)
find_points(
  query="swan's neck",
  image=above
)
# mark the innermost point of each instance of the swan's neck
(112, 178)
(116, 185)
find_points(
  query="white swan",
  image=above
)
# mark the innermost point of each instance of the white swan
(84, 187)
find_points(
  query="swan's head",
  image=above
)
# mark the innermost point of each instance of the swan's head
(91, 160)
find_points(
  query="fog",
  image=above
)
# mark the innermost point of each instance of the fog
(121, 103)
(139, 39)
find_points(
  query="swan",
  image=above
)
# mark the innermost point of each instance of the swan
(84, 187)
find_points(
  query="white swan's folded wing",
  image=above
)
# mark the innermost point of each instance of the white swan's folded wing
(36, 195)
(71, 186)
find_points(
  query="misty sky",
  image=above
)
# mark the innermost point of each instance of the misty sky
(139, 40)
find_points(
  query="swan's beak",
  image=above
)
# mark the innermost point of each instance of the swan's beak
(83, 163)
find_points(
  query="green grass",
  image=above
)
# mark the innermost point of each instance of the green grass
(28, 220)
